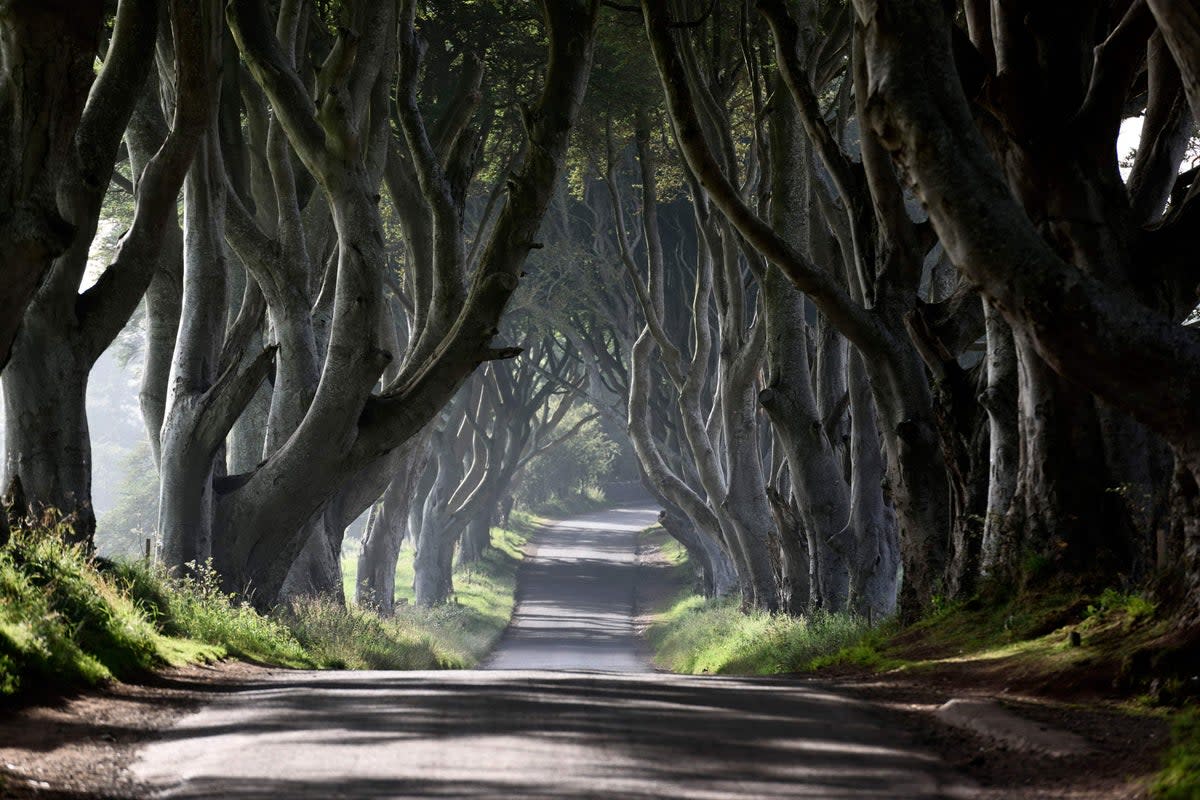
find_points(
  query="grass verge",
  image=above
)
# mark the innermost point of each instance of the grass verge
(697, 636)
(1113, 647)
(68, 620)
(714, 636)
(64, 624)
(463, 631)
(1180, 778)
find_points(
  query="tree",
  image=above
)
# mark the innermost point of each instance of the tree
(65, 330)
(1072, 294)
(262, 520)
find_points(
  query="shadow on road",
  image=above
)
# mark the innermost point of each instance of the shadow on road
(506, 735)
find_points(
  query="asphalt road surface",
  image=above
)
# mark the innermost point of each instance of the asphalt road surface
(567, 708)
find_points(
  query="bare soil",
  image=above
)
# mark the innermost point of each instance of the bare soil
(80, 746)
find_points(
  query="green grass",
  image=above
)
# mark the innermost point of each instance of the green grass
(336, 637)
(694, 635)
(63, 623)
(195, 608)
(714, 636)
(1180, 778)
(68, 620)
(463, 631)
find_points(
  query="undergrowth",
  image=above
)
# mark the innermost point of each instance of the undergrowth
(69, 620)
(195, 607)
(63, 623)
(715, 636)
(463, 631)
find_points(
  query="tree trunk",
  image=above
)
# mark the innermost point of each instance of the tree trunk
(477, 538)
(875, 570)
(188, 460)
(385, 532)
(47, 443)
(1065, 518)
(48, 67)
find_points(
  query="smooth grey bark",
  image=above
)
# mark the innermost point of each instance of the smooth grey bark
(916, 98)
(884, 263)
(346, 427)
(376, 584)
(146, 132)
(48, 446)
(49, 51)
(875, 564)
(187, 460)
(822, 495)
(69, 329)
(1000, 401)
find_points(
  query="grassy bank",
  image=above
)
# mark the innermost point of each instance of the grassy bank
(464, 630)
(693, 635)
(68, 620)
(1113, 647)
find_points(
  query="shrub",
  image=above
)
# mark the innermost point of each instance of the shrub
(1134, 606)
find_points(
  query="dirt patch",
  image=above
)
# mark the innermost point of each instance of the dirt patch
(1126, 748)
(79, 747)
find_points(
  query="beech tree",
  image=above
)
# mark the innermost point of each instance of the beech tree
(64, 330)
(259, 522)
(47, 71)
(1097, 296)
(883, 313)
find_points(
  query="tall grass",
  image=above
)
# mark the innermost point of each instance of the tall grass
(464, 630)
(714, 636)
(68, 619)
(195, 607)
(1180, 779)
(63, 623)
(337, 637)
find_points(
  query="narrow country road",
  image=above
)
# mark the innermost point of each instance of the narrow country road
(568, 707)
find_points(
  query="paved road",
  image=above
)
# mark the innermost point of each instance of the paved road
(577, 598)
(578, 716)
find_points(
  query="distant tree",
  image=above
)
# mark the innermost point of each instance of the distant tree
(574, 466)
(123, 530)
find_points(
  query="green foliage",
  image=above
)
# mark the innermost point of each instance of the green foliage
(463, 631)
(1036, 566)
(122, 531)
(195, 607)
(69, 620)
(572, 467)
(62, 622)
(1180, 778)
(715, 636)
(1133, 606)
